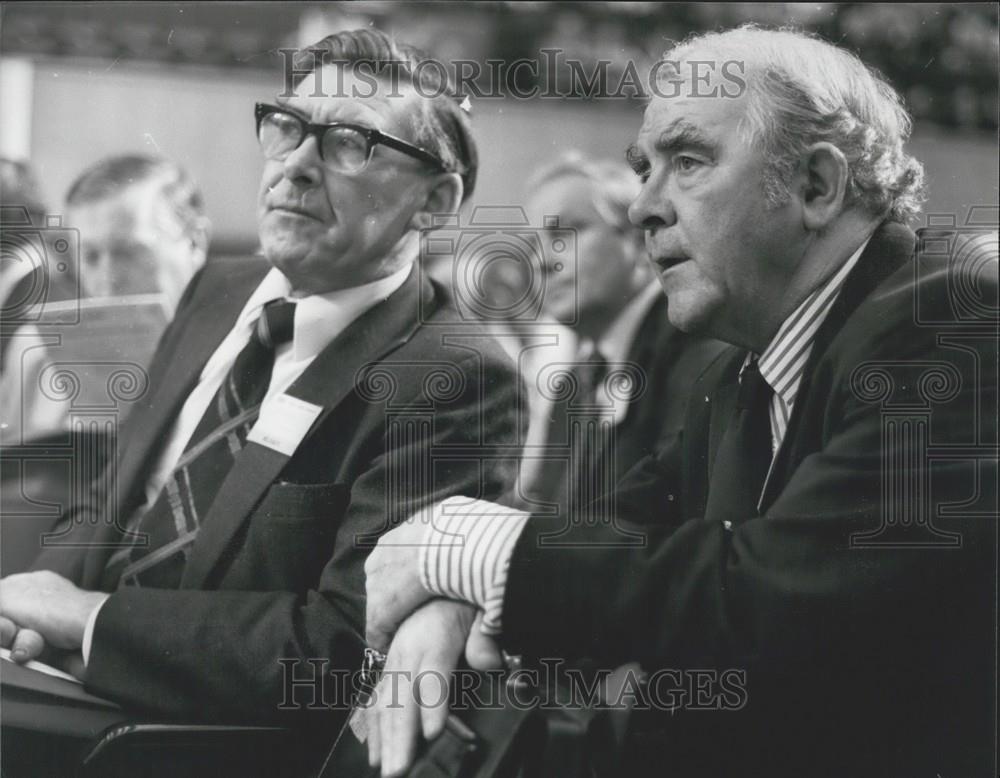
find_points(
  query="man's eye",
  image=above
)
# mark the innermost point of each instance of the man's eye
(686, 164)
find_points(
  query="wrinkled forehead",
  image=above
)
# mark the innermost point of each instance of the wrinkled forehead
(693, 116)
(386, 101)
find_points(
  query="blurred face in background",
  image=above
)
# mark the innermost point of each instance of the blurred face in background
(610, 266)
(135, 243)
(328, 230)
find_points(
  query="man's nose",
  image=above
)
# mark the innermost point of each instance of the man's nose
(303, 164)
(653, 208)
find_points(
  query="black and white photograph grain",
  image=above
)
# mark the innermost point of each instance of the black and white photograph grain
(453, 389)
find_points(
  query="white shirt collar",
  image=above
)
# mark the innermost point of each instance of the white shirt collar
(616, 342)
(319, 318)
(782, 362)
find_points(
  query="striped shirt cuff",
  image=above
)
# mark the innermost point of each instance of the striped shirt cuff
(466, 552)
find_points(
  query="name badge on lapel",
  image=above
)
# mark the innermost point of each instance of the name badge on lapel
(283, 423)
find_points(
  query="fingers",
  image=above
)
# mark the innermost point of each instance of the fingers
(481, 651)
(400, 721)
(432, 694)
(374, 732)
(27, 645)
(24, 644)
(7, 631)
(413, 695)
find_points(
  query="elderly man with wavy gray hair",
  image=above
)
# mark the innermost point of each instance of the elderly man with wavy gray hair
(824, 526)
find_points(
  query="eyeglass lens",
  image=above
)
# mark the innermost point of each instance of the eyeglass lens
(343, 148)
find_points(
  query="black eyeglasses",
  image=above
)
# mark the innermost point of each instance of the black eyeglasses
(347, 148)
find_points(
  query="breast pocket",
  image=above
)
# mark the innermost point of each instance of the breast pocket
(291, 535)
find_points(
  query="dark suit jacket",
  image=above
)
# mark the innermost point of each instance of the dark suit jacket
(670, 361)
(417, 406)
(667, 363)
(860, 604)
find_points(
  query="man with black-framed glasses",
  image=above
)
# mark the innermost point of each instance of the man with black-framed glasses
(296, 409)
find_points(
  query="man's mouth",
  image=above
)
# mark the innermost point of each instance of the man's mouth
(665, 263)
(293, 209)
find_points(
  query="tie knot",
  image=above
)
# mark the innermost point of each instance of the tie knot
(590, 369)
(755, 391)
(276, 324)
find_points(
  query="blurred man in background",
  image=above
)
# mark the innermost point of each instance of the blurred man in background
(138, 234)
(632, 370)
(143, 228)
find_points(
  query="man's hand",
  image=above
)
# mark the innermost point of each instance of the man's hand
(24, 644)
(392, 579)
(413, 694)
(47, 605)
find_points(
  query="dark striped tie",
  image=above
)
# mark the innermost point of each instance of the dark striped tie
(576, 483)
(172, 523)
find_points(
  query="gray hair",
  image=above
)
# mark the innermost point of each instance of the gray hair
(613, 186)
(111, 175)
(802, 90)
(442, 126)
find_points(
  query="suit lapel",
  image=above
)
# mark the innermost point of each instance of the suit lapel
(713, 397)
(326, 382)
(890, 247)
(213, 315)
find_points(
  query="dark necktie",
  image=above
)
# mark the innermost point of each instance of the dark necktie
(172, 523)
(744, 454)
(581, 410)
(594, 420)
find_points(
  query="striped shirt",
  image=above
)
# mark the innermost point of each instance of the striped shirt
(469, 543)
(783, 361)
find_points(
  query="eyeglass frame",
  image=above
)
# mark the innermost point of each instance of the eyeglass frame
(372, 137)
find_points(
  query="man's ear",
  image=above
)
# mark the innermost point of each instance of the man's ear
(823, 178)
(444, 195)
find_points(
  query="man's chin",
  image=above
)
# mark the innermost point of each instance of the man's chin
(692, 319)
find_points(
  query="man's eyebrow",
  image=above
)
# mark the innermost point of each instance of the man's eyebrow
(635, 158)
(282, 102)
(683, 135)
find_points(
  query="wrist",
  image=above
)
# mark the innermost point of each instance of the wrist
(89, 604)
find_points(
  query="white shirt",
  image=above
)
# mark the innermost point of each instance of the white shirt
(616, 342)
(782, 363)
(318, 320)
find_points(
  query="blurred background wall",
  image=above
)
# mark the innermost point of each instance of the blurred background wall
(79, 81)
